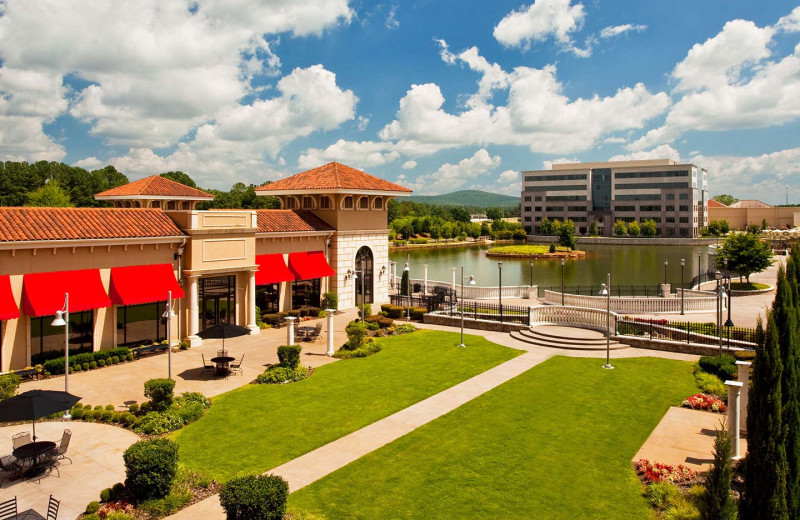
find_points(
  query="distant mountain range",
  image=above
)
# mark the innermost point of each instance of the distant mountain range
(474, 198)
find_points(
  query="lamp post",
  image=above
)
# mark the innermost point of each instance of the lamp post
(666, 263)
(500, 291)
(530, 275)
(729, 322)
(683, 289)
(699, 273)
(471, 282)
(407, 269)
(718, 278)
(562, 282)
(62, 320)
(605, 290)
(356, 278)
(168, 315)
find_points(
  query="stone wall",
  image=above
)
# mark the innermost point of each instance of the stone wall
(455, 321)
(344, 246)
(615, 241)
(673, 346)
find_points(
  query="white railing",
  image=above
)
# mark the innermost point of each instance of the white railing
(473, 292)
(635, 305)
(572, 316)
(694, 293)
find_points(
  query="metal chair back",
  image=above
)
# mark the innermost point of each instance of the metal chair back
(65, 438)
(8, 509)
(206, 365)
(21, 439)
(52, 508)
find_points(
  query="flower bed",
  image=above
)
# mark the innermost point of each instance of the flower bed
(651, 472)
(705, 402)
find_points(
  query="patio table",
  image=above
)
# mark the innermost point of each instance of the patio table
(222, 363)
(33, 451)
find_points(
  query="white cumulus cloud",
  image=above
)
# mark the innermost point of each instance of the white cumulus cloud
(616, 30)
(543, 19)
(450, 176)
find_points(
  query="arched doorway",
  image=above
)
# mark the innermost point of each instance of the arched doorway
(363, 286)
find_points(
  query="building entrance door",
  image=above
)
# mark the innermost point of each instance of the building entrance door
(363, 286)
(217, 301)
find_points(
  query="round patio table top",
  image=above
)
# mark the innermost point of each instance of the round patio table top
(222, 359)
(33, 449)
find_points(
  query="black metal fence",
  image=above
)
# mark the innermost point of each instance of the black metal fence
(478, 310)
(432, 303)
(703, 333)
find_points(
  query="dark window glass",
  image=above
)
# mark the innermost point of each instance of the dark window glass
(646, 196)
(554, 208)
(565, 177)
(649, 208)
(557, 198)
(601, 189)
(651, 185)
(576, 208)
(624, 208)
(650, 175)
(305, 293)
(217, 300)
(44, 336)
(141, 324)
(683, 208)
(268, 297)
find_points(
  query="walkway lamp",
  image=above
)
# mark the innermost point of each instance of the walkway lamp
(62, 320)
(530, 275)
(359, 275)
(729, 322)
(605, 290)
(562, 282)
(471, 282)
(666, 263)
(168, 315)
(683, 289)
(500, 287)
(407, 270)
(699, 273)
(718, 278)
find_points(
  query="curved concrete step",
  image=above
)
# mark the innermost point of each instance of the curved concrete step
(584, 338)
(581, 342)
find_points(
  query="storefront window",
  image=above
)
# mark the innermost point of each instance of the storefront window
(306, 293)
(268, 297)
(217, 300)
(44, 336)
(141, 324)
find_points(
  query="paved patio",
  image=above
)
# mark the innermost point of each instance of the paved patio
(96, 453)
(124, 383)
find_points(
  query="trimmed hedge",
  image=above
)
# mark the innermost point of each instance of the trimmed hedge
(382, 321)
(86, 360)
(261, 497)
(723, 366)
(150, 468)
(160, 391)
(289, 355)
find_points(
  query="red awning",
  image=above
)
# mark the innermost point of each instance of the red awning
(272, 269)
(137, 284)
(43, 293)
(8, 306)
(309, 265)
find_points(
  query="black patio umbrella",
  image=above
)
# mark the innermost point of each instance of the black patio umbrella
(35, 404)
(224, 330)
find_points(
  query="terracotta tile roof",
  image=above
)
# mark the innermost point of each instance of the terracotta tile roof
(155, 186)
(333, 176)
(289, 220)
(28, 224)
(715, 204)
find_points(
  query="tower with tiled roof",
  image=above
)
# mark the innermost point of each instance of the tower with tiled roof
(355, 204)
(155, 192)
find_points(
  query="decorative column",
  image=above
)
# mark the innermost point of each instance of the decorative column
(329, 316)
(251, 303)
(744, 399)
(194, 313)
(425, 278)
(290, 330)
(734, 406)
(453, 280)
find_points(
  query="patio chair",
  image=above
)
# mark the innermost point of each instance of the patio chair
(52, 508)
(317, 334)
(207, 366)
(21, 439)
(236, 366)
(8, 509)
(10, 467)
(60, 452)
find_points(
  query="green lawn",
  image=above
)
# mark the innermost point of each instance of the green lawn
(554, 443)
(257, 427)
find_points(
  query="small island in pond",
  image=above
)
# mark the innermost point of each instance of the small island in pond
(531, 251)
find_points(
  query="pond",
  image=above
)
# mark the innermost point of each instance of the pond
(628, 265)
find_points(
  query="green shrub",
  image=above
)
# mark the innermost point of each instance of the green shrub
(273, 320)
(8, 385)
(88, 414)
(723, 366)
(404, 328)
(101, 363)
(106, 416)
(128, 419)
(295, 313)
(661, 494)
(416, 313)
(110, 407)
(278, 374)
(710, 384)
(356, 332)
(261, 497)
(92, 507)
(160, 392)
(330, 300)
(80, 359)
(393, 311)
(118, 515)
(105, 495)
(92, 516)
(370, 346)
(86, 366)
(382, 321)
(552, 248)
(76, 368)
(118, 491)
(77, 413)
(129, 357)
(114, 360)
(194, 397)
(150, 468)
(744, 355)
(133, 407)
(191, 412)
(364, 309)
(170, 504)
(156, 423)
(289, 355)
(418, 241)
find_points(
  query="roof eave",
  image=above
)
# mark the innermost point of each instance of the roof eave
(151, 197)
(342, 191)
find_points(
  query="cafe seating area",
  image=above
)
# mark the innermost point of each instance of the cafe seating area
(33, 458)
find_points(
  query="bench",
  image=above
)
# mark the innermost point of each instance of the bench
(146, 349)
(27, 372)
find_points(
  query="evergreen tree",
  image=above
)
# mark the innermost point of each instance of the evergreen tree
(765, 466)
(405, 285)
(719, 504)
(785, 313)
(51, 195)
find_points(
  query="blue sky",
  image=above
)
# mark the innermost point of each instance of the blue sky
(438, 96)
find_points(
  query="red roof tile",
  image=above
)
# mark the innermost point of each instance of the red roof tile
(155, 186)
(333, 176)
(288, 221)
(27, 224)
(715, 204)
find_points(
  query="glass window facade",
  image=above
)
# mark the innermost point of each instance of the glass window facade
(601, 189)
(651, 185)
(645, 196)
(305, 293)
(141, 324)
(650, 175)
(564, 177)
(557, 198)
(268, 298)
(44, 336)
(217, 300)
